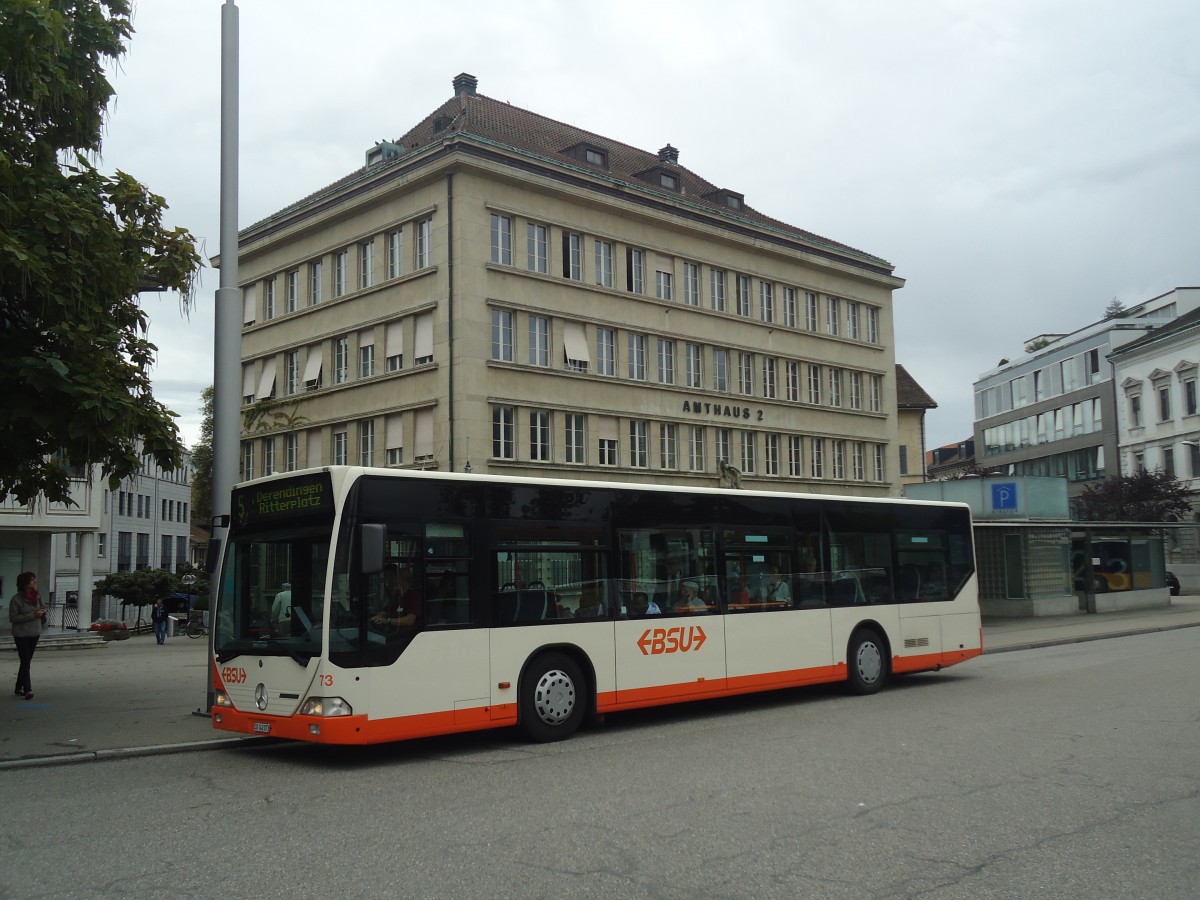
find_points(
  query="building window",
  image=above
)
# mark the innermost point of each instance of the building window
(743, 295)
(1164, 403)
(814, 385)
(573, 256)
(503, 426)
(1135, 410)
(269, 298)
(539, 435)
(771, 451)
(858, 472)
(268, 457)
(723, 446)
(502, 240)
(341, 260)
(810, 311)
(856, 390)
(769, 371)
(101, 545)
(789, 307)
(341, 448)
(766, 301)
(315, 270)
(749, 452)
(746, 373)
(792, 377)
(637, 357)
(502, 335)
(366, 264)
(293, 290)
(1168, 458)
(574, 438)
(696, 448)
(604, 264)
(606, 351)
(873, 326)
(366, 360)
(717, 286)
(539, 341)
(876, 382)
(635, 270)
(291, 361)
(639, 450)
(607, 451)
(341, 360)
(691, 284)
(816, 458)
(425, 243)
(877, 458)
(720, 370)
(666, 361)
(852, 319)
(694, 373)
(366, 443)
(795, 456)
(291, 452)
(247, 461)
(396, 254)
(835, 387)
(1189, 397)
(832, 319)
(663, 286)
(667, 450)
(903, 459)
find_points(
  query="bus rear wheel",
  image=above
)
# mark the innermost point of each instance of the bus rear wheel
(866, 662)
(552, 703)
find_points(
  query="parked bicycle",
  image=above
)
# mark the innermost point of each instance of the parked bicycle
(195, 629)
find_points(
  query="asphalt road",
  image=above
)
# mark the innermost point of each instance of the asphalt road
(1071, 771)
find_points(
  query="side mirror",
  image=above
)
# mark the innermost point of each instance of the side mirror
(372, 539)
(214, 553)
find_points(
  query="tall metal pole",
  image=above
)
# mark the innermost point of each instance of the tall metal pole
(227, 367)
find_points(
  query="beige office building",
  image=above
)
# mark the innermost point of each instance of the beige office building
(499, 292)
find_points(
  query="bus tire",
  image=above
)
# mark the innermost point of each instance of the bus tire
(552, 703)
(866, 662)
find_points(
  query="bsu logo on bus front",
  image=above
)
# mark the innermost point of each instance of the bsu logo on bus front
(671, 640)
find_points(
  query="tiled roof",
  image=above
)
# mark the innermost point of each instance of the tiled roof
(909, 394)
(473, 115)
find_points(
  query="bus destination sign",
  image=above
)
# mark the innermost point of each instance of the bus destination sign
(279, 501)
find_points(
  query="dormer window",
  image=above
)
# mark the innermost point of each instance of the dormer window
(731, 200)
(670, 182)
(588, 153)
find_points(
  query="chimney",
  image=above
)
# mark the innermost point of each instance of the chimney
(465, 84)
(668, 155)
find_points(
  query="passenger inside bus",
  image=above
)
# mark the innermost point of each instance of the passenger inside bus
(689, 597)
(591, 604)
(403, 604)
(776, 589)
(640, 604)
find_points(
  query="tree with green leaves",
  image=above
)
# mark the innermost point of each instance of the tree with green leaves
(76, 248)
(202, 464)
(137, 588)
(1144, 496)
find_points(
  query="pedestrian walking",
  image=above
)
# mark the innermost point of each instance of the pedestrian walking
(26, 613)
(158, 616)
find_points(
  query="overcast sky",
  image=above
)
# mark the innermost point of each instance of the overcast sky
(1021, 162)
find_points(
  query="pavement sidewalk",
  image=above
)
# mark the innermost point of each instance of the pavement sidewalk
(137, 698)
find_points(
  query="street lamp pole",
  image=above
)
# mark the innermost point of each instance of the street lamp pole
(227, 364)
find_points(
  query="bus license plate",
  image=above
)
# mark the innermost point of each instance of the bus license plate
(262, 727)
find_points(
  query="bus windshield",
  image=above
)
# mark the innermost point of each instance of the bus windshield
(271, 598)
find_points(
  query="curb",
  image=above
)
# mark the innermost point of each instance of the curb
(1083, 639)
(129, 753)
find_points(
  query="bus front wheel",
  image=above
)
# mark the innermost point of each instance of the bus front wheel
(552, 698)
(866, 662)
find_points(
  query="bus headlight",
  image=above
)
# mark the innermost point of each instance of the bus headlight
(220, 698)
(326, 707)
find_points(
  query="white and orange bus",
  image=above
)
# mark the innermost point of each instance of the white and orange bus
(361, 605)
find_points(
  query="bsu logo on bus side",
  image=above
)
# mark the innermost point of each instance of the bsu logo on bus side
(680, 639)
